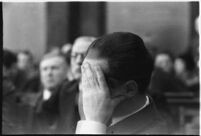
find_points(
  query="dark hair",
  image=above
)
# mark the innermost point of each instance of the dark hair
(9, 58)
(127, 57)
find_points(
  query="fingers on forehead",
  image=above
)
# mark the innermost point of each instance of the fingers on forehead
(88, 70)
(98, 72)
(100, 76)
(87, 73)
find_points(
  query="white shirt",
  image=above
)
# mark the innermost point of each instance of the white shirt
(46, 94)
(93, 127)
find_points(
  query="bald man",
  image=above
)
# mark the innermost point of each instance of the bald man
(79, 50)
(70, 95)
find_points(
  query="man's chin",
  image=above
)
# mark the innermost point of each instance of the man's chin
(77, 76)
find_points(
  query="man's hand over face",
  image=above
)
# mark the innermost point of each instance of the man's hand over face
(95, 101)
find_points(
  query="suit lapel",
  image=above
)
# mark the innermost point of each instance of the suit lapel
(39, 102)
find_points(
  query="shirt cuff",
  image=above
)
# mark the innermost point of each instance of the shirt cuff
(90, 127)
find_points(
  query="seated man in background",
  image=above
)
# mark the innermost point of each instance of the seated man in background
(66, 50)
(24, 60)
(70, 94)
(115, 75)
(163, 81)
(187, 72)
(45, 107)
(78, 53)
(26, 68)
(9, 70)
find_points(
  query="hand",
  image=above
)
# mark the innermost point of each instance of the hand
(95, 103)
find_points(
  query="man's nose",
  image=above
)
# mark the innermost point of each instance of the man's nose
(49, 72)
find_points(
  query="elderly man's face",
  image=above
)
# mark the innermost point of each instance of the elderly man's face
(77, 56)
(53, 71)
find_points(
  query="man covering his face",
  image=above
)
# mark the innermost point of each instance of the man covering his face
(113, 99)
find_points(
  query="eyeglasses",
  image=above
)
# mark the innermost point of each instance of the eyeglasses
(75, 55)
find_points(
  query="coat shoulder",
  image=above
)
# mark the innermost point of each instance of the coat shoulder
(69, 86)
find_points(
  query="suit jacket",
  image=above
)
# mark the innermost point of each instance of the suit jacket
(43, 115)
(57, 115)
(64, 116)
(146, 121)
(10, 112)
(69, 107)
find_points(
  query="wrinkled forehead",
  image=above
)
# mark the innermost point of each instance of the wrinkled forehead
(81, 46)
(53, 61)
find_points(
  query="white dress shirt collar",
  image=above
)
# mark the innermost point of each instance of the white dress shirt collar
(46, 94)
(115, 120)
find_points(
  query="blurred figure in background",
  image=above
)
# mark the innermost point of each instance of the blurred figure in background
(79, 50)
(10, 122)
(71, 113)
(66, 50)
(186, 65)
(9, 69)
(45, 103)
(186, 68)
(52, 70)
(24, 60)
(163, 69)
(26, 68)
(163, 81)
(187, 71)
(163, 78)
(164, 62)
(179, 67)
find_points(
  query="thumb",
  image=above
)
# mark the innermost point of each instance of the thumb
(117, 100)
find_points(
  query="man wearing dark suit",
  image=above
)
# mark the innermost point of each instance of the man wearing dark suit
(46, 105)
(70, 91)
(78, 53)
(115, 75)
(69, 107)
(146, 121)
(54, 108)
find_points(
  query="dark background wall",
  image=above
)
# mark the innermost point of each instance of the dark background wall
(67, 21)
(161, 24)
(24, 27)
(40, 26)
(57, 24)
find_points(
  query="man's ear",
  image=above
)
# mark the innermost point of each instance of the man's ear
(131, 88)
